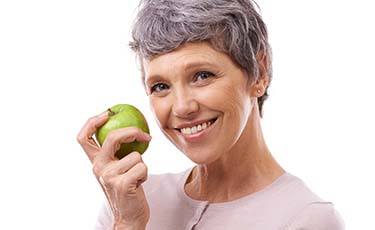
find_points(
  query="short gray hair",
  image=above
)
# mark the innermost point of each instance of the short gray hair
(231, 26)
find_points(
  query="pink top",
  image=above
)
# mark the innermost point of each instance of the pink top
(286, 204)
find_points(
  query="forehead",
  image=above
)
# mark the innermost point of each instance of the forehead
(185, 57)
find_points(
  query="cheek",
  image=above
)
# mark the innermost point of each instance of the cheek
(232, 99)
(160, 109)
(225, 96)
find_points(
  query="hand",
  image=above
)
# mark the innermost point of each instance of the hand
(120, 179)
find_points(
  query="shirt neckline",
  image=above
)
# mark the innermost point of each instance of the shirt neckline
(237, 202)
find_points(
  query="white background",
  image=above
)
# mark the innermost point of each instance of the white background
(62, 62)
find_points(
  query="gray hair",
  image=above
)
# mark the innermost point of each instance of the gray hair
(230, 26)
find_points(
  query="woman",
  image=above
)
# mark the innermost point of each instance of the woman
(206, 66)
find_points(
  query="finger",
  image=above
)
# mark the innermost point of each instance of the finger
(115, 138)
(107, 167)
(137, 175)
(122, 166)
(85, 138)
(99, 165)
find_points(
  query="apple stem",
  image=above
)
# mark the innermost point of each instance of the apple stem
(111, 113)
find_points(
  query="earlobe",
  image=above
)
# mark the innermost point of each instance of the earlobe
(258, 91)
(262, 85)
(259, 87)
(263, 79)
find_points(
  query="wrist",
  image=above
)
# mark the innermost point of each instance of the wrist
(122, 226)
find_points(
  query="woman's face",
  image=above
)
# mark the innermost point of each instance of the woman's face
(200, 98)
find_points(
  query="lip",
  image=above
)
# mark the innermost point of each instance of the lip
(193, 138)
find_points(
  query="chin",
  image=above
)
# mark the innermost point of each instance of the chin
(202, 157)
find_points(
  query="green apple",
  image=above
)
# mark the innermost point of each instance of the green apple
(122, 116)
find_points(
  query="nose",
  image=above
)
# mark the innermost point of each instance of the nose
(185, 105)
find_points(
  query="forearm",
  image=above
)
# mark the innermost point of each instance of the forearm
(129, 227)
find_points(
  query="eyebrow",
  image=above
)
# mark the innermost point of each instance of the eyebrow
(192, 65)
(188, 66)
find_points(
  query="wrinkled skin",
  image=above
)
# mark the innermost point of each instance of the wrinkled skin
(120, 179)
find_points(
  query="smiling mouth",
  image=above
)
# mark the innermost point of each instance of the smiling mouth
(197, 128)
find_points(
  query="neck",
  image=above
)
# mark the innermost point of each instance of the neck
(247, 168)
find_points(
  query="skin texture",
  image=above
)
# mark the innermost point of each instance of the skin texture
(120, 179)
(233, 159)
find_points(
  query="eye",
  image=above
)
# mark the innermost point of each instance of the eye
(158, 87)
(203, 75)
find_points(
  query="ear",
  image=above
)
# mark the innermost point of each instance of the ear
(259, 86)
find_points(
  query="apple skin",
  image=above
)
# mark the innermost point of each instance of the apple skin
(122, 116)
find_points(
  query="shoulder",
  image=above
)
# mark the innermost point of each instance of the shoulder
(317, 215)
(291, 193)
(303, 208)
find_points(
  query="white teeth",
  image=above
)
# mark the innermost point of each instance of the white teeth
(195, 129)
